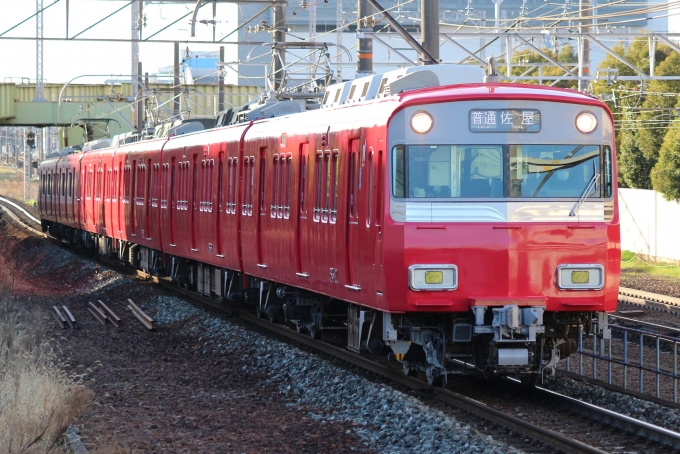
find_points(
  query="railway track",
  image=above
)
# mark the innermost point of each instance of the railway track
(649, 300)
(548, 437)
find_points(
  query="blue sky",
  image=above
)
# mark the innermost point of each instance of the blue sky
(64, 60)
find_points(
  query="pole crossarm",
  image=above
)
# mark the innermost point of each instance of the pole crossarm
(29, 18)
(615, 55)
(403, 33)
(544, 55)
(374, 36)
(463, 48)
(244, 23)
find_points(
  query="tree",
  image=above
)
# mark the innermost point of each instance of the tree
(633, 166)
(527, 59)
(666, 172)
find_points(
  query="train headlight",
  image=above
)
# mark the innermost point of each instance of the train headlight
(422, 122)
(433, 277)
(586, 122)
(580, 277)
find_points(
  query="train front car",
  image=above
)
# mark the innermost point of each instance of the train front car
(503, 202)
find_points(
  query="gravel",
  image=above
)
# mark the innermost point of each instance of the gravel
(385, 419)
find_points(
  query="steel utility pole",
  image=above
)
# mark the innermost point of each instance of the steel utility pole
(365, 45)
(175, 84)
(220, 83)
(279, 36)
(584, 45)
(39, 77)
(136, 17)
(429, 26)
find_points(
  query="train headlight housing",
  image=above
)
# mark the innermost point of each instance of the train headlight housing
(433, 277)
(421, 122)
(580, 277)
(586, 122)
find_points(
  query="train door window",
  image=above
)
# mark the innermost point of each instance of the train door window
(370, 189)
(164, 186)
(56, 184)
(63, 184)
(173, 188)
(126, 184)
(194, 192)
(109, 184)
(351, 171)
(282, 187)
(327, 187)
(211, 171)
(334, 174)
(220, 182)
(288, 187)
(303, 179)
(318, 181)
(204, 182)
(133, 186)
(49, 183)
(607, 172)
(251, 189)
(246, 185)
(261, 187)
(275, 187)
(230, 184)
(149, 185)
(378, 188)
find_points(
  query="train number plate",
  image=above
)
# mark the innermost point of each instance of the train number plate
(504, 120)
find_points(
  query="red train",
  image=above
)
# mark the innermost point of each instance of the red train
(467, 225)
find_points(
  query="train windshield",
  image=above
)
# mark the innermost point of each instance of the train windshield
(500, 171)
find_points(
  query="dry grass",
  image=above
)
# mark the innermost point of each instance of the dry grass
(12, 184)
(38, 400)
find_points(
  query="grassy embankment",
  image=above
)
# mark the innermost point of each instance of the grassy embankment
(12, 184)
(631, 263)
(38, 399)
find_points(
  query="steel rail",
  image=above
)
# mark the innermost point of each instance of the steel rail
(19, 221)
(649, 300)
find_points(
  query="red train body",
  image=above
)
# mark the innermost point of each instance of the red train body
(461, 225)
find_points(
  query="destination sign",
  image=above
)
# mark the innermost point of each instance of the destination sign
(504, 120)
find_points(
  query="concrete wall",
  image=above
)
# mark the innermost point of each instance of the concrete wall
(650, 225)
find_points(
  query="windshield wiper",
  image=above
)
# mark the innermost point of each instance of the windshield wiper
(585, 194)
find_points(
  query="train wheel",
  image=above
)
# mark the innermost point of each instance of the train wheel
(409, 371)
(299, 328)
(273, 318)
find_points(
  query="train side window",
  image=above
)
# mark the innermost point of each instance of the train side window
(289, 187)
(275, 187)
(607, 172)
(398, 172)
(334, 186)
(318, 202)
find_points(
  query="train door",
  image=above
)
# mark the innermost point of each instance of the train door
(351, 237)
(221, 212)
(262, 208)
(302, 228)
(377, 220)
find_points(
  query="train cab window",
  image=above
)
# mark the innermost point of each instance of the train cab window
(607, 172)
(554, 171)
(447, 171)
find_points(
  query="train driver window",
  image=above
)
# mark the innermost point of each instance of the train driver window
(555, 171)
(447, 171)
